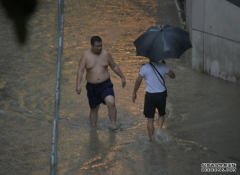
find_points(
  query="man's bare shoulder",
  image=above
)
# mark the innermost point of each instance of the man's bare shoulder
(105, 52)
(85, 55)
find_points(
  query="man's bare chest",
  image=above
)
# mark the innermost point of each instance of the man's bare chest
(96, 62)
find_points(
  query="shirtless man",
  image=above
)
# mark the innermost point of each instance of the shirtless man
(99, 86)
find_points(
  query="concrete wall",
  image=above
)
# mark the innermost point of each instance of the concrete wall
(188, 9)
(214, 26)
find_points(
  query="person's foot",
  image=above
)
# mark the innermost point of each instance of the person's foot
(151, 139)
(159, 131)
(114, 127)
(162, 135)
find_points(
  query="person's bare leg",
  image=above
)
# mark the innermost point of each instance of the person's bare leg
(94, 115)
(112, 111)
(160, 123)
(150, 128)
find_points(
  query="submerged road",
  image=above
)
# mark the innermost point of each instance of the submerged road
(203, 114)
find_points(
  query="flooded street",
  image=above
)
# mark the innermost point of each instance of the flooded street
(203, 114)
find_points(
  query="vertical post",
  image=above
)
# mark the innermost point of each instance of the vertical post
(57, 90)
(53, 148)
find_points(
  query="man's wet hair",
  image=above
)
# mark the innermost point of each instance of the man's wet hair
(95, 39)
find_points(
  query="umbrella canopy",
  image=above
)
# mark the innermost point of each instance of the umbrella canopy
(162, 42)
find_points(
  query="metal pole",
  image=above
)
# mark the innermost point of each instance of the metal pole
(53, 148)
(57, 92)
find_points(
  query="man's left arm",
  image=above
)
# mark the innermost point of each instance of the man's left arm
(117, 70)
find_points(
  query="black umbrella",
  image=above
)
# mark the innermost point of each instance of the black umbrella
(162, 42)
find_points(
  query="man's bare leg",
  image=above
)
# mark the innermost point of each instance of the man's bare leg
(160, 123)
(94, 115)
(150, 128)
(112, 111)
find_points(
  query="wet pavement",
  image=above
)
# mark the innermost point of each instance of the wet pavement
(203, 114)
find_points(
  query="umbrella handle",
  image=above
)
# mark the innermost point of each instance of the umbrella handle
(160, 27)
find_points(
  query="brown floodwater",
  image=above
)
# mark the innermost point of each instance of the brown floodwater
(27, 97)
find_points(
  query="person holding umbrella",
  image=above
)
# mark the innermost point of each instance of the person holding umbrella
(156, 92)
(158, 43)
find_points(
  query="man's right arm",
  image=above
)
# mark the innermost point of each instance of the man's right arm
(171, 74)
(81, 68)
(136, 87)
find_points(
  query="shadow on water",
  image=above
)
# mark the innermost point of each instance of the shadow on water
(100, 153)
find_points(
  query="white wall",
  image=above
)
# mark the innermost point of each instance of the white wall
(214, 26)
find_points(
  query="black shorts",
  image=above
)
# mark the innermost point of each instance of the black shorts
(96, 93)
(153, 101)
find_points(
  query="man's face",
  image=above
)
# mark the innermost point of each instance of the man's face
(97, 47)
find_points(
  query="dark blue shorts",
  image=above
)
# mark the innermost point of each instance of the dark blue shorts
(96, 93)
(153, 101)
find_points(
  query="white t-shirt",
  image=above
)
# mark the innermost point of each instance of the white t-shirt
(153, 85)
